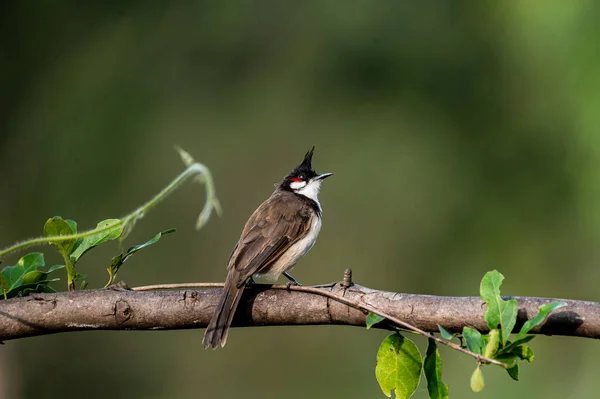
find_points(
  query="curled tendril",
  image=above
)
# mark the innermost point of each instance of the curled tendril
(194, 169)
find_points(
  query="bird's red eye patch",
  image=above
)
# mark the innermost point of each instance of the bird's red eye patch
(296, 179)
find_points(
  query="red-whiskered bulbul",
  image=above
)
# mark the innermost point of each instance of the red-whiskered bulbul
(279, 232)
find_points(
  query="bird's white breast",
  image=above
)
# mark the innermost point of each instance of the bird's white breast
(295, 252)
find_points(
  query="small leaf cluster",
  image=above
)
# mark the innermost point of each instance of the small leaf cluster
(501, 317)
(73, 249)
(400, 365)
(27, 275)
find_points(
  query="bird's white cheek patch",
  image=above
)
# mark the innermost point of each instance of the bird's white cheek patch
(296, 185)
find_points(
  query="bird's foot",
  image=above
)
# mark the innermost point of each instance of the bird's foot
(292, 281)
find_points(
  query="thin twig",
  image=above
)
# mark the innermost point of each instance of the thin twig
(177, 286)
(354, 304)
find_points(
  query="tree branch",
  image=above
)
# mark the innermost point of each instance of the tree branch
(265, 305)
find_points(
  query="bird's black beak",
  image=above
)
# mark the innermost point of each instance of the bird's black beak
(322, 176)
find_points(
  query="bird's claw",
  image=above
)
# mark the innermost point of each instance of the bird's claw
(291, 283)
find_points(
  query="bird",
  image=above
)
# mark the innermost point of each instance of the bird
(279, 232)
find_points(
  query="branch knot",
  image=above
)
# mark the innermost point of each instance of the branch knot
(123, 311)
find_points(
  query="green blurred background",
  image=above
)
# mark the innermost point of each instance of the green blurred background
(463, 138)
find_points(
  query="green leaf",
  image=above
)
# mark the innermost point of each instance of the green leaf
(33, 277)
(545, 310)
(492, 346)
(477, 382)
(32, 261)
(373, 318)
(72, 224)
(499, 312)
(513, 372)
(398, 366)
(520, 352)
(25, 277)
(153, 240)
(14, 275)
(92, 241)
(445, 333)
(56, 267)
(474, 340)
(432, 366)
(58, 226)
(513, 367)
(37, 276)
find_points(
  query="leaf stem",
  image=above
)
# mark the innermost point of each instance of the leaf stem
(71, 273)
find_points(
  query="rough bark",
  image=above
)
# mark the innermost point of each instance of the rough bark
(41, 314)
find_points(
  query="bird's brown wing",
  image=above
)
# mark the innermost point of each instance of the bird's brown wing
(270, 231)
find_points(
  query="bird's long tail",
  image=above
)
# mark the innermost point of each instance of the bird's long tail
(218, 328)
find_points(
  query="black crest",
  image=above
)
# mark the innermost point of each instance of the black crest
(307, 162)
(303, 171)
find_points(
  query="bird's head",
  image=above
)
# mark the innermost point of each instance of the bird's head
(303, 179)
